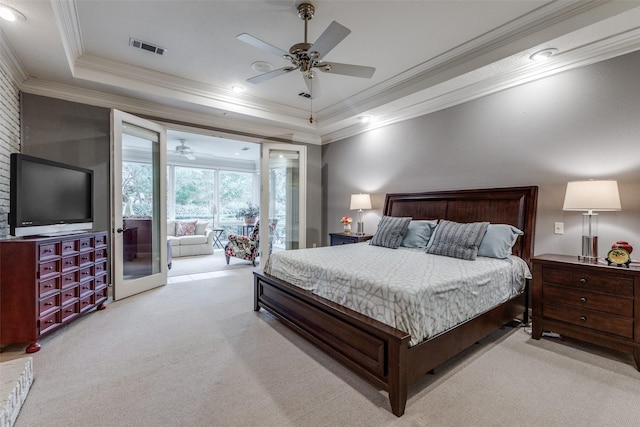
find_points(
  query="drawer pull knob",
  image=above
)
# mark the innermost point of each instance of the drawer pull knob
(583, 280)
(583, 318)
(583, 299)
(48, 303)
(48, 322)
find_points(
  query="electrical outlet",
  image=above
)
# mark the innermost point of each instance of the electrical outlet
(558, 228)
(314, 245)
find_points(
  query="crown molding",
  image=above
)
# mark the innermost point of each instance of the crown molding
(66, 15)
(9, 61)
(232, 124)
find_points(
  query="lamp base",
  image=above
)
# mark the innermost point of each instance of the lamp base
(360, 228)
(589, 249)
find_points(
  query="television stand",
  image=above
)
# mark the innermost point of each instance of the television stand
(47, 282)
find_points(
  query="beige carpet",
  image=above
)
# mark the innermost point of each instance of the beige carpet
(205, 264)
(195, 354)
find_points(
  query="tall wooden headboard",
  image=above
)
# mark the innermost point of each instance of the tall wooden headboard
(509, 205)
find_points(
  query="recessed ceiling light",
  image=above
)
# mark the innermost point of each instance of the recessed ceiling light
(543, 55)
(10, 14)
(237, 88)
(261, 67)
(364, 119)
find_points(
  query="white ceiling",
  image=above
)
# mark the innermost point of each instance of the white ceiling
(428, 55)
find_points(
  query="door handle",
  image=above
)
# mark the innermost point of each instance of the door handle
(121, 230)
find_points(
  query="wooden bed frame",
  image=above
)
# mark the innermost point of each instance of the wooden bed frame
(378, 352)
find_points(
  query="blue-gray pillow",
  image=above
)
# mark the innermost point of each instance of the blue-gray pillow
(418, 233)
(498, 240)
(390, 231)
(457, 240)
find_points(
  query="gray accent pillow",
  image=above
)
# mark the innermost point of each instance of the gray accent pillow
(418, 233)
(498, 240)
(390, 231)
(457, 240)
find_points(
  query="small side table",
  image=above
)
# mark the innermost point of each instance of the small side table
(217, 233)
(345, 239)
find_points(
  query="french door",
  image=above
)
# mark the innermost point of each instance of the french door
(283, 172)
(138, 207)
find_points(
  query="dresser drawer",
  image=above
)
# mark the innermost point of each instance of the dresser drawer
(69, 263)
(100, 254)
(70, 294)
(48, 304)
(86, 258)
(590, 300)
(87, 302)
(86, 244)
(49, 268)
(48, 250)
(49, 322)
(86, 273)
(616, 325)
(584, 279)
(70, 311)
(100, 281)
(49, 285)
(100, 240)
(70, 247)
(70, 279)
(86, 287)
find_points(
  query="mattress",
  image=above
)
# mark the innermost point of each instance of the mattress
(408, 289)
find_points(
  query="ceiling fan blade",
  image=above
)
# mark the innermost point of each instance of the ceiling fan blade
(190, 156)
(271, 74)
(333, 35)
(347, 69)
(255, 42)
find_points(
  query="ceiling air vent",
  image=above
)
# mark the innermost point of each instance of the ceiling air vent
(147, 46)
(304, 95)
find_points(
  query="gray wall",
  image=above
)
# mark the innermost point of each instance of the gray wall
(71, 133)
(577, 125)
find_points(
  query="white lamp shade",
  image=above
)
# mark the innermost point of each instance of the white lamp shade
(592, 196)
(360, 201)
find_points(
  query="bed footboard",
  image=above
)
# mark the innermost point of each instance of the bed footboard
(373, 350)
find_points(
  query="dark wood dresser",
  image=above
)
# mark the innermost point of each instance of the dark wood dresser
(344, 239)
(595, 303)
(47, 282)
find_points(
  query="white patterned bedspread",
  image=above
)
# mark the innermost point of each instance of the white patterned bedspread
(413, 291)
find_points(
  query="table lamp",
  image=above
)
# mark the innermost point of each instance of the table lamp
(360, 202)
(591, 196)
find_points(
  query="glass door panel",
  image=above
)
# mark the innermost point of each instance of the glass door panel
(283, 171)
(139, 205)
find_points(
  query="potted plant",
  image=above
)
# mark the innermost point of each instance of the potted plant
(249, 212)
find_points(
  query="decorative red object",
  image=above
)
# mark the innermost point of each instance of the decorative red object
(622, 244)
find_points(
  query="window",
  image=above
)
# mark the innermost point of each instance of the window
(194, 193)
(137, 189)
(236, 190)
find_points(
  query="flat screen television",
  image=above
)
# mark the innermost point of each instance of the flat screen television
(49, 198)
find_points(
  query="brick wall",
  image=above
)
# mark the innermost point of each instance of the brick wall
(9, 136)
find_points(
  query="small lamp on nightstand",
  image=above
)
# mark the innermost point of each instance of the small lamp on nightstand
(591, 196)
(360, 202)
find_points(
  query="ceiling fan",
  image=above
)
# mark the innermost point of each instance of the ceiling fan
(306, 56)
(185, 150)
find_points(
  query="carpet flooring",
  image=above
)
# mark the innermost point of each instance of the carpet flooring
(196, 354)
(205, 264)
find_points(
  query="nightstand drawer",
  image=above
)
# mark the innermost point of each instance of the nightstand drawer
(589, 300)
(616, 325)
(583, 279)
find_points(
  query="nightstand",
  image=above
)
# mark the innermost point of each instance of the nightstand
(345, 239)
(595, 303)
